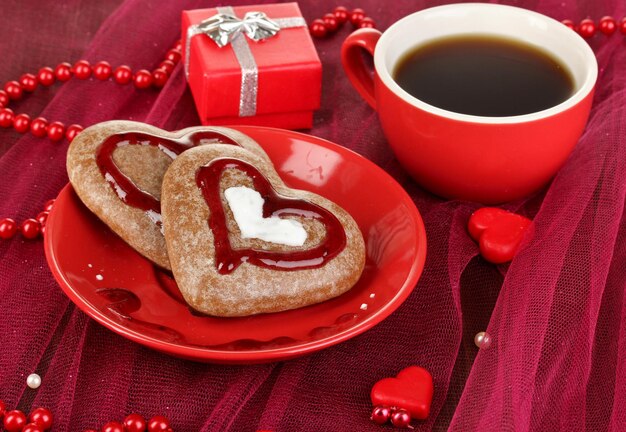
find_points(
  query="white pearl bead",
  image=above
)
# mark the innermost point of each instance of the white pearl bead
(33, 381)
(482, 340)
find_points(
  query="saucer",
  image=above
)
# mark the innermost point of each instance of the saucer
(126, 293)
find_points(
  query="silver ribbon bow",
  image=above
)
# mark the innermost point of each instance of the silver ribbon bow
(224, 29)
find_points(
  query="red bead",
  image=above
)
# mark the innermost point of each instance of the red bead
(38, 127)
(123, 74)
(178, 46)
(32, 427)
(28, 82)
(356, 16)
(42, 417)
(341, 14)
(8, 228)
(622, 26)
(173, 55)
(14, 421)
(102, 70)
(159, 78)
(45, 76)
(4, 98)
(42, 218)
(167, 66)
(587, 28)
(569, 23)
(142, 79)
(381, 415)
(21, 123)
(6, 117)
(13, 89)
(330, 22)
(317, 28)
(63, 72)
(158, 424)
(72, 131)
(367, 22)
(401, 418)
(112, 426)
(134, 423)
(3, 407)
(48, 205)
(56, 131)
(82, 69)
(607, 25)
(30, 229)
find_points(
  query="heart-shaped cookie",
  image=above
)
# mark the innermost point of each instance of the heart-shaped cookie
(117, 168)
(241, 242)
(498, 233)
(411, 389)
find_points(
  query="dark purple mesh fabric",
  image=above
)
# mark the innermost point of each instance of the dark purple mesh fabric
(556, 315)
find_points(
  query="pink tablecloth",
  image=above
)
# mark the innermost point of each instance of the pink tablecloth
(557, 314)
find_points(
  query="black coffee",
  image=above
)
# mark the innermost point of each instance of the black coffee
(484, 76)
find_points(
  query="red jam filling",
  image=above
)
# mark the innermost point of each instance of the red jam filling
(122, 185)
(228, 259)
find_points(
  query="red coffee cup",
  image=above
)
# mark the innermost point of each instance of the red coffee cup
(484, 159)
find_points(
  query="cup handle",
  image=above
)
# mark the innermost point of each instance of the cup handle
(358, 73)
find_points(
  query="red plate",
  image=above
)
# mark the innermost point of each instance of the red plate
(123, 291)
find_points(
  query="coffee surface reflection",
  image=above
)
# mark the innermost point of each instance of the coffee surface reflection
(484, 76)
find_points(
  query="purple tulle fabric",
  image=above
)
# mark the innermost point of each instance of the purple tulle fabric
(556, 315)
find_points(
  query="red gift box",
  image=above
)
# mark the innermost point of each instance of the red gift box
(287, 86)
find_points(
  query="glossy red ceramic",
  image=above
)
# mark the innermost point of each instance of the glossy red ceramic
(484, 159)
(123, 291)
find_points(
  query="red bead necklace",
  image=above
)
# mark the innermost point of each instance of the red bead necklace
(607, 25)
(331, 22)
(40, 420)
(41, 127)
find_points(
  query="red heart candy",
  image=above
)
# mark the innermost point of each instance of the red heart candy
(411, 389)
(498, 233)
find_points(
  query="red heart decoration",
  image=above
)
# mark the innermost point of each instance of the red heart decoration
(228, 259)
(498, 233)
(411, 389)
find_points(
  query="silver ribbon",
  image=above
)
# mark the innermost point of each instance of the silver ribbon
(224, 29)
